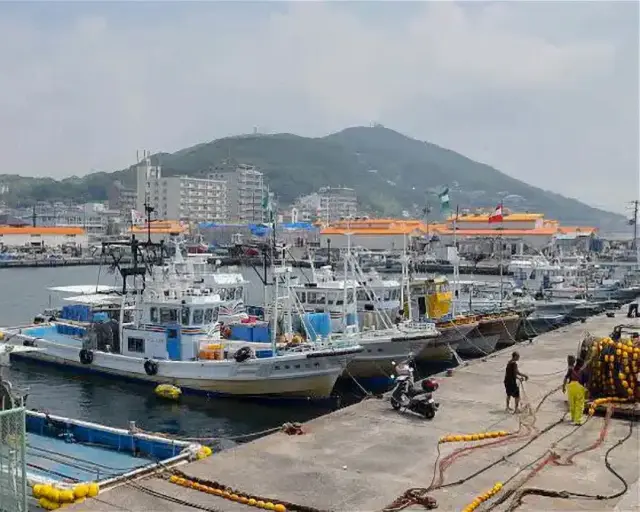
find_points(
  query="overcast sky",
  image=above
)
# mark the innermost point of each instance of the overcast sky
(544, 91)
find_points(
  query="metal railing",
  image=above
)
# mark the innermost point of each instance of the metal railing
(13, 466)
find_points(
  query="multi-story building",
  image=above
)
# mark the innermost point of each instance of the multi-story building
(245, 193)
(121, 198)
(181, 197)
(93, 218)
(337, 203)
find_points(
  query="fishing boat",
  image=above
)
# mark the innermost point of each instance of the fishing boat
(166, 334)
(384, 339)
(430, 300)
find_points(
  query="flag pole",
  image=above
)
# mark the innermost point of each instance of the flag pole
(501, 251)
(456, 262)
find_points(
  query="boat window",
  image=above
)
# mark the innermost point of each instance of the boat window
(387, 295)
(362, 295)
(331, 298)
(197, 316)
(168, 315)
(311, 298)
(349, 296)
(216, 311)
(321, 298)
(153, 314)
(239, 292)
(135, 345)
(302, 297)
(208, 316)
(185, 315)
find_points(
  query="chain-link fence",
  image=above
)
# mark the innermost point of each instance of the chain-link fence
(13, 467)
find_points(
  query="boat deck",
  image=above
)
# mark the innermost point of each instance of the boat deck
(50, 333)
(56, 459)
(363, 457)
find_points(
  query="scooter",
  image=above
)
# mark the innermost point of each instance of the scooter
(406, 395)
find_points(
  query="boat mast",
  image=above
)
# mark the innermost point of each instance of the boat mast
(405, 277)
(347, 256)
(456, 265)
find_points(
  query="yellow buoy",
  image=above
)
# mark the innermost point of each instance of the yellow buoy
(54, 495)
(168, 391)
(280, 508)
(81, 490)
(66, 496)
(94, 490)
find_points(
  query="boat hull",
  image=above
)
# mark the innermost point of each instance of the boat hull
(536, 325)
(450, 338)
(378, 356)
(476, 346)
(307, 376)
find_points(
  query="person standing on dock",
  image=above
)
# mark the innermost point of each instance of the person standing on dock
(511, 376)
(576, 391)
(571, 362)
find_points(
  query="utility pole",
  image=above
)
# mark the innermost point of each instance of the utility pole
(634, 221)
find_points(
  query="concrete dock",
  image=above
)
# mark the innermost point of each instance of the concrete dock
(363, 457)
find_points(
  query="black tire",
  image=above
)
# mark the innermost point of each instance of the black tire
(150, 367)
(86, 356)
(430, 413)
(395, 404)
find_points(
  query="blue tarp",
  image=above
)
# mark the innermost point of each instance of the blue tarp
(306, 226)
(299, 225)
(259, 229)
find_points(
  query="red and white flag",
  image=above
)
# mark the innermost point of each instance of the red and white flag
(496, 216)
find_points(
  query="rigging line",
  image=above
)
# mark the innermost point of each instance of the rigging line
(76, 459)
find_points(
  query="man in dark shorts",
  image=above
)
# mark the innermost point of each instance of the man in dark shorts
(511, 376)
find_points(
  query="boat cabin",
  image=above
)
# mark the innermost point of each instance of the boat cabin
(430, 297)
(166, 328)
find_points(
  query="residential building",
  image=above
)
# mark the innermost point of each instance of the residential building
(245, 193)
(337, 203)
(121, 198)
(181, 198)
(93, 218)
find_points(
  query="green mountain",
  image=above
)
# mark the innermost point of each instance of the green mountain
(389, 171)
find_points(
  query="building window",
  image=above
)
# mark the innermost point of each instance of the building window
(135, 345)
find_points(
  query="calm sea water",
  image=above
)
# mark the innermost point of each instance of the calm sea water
(115, 403)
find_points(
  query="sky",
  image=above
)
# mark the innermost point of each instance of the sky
(546, 92)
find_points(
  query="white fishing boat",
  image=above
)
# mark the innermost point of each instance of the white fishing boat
(384, 340)
(329, 308)
(171, 335)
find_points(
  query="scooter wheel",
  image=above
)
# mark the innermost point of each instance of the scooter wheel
(395, 404)
(430, 413)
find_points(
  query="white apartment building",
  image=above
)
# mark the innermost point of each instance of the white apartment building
(337, 203)
(245, 193)
(181, 197)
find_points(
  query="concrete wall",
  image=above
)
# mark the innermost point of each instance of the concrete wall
(371, 242)
(531, 224)
(24, 240)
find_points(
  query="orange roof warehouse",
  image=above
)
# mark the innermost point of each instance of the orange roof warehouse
(520, 230)
(42, 236)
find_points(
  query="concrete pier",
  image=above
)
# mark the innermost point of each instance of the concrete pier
(363, 457)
